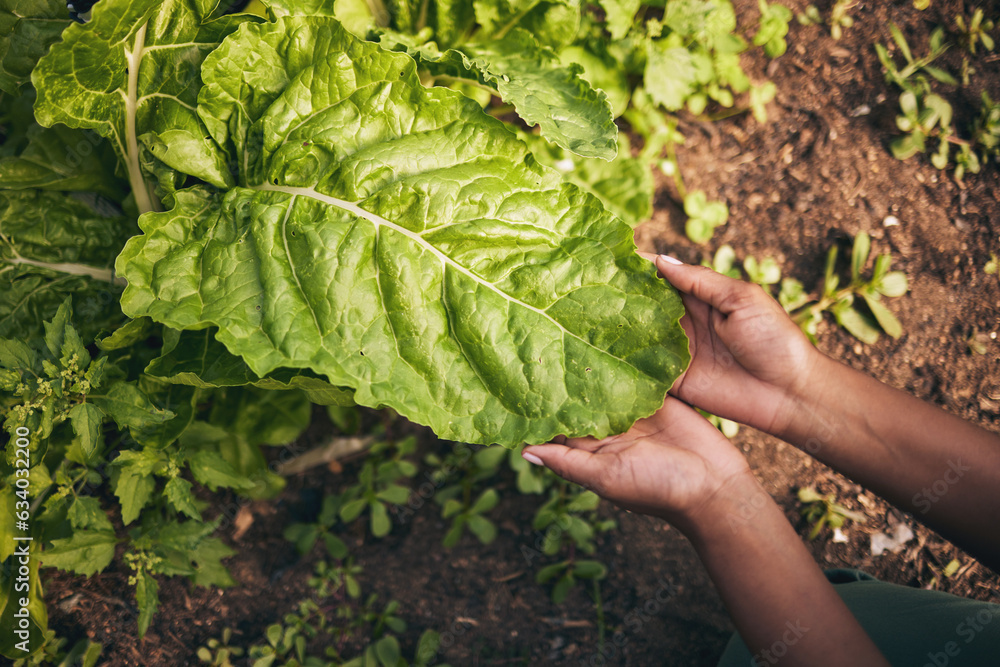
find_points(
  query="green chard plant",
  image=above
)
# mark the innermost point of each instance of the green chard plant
(224, 217)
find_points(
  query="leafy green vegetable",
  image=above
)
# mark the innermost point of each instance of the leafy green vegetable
(132, 74)
(400, 242)
(56, 158)
(27, 29)
(568, 111)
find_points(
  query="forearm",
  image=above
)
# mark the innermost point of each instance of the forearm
(943, 470)
(780, 601)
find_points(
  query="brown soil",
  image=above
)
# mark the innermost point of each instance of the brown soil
(816, 174)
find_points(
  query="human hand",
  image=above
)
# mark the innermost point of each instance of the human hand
(672, 464)
(749, 361)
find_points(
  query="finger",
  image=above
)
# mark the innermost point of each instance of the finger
(576, 465)
(721, 292)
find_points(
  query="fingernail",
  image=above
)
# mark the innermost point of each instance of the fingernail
(670, 260)
(531, 458)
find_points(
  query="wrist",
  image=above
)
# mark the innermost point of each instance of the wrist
(732, 505)
(803, 402)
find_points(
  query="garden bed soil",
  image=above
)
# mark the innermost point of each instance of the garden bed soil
(817, 173)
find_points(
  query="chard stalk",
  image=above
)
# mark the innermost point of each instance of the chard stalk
(145, 200)
(106, 275)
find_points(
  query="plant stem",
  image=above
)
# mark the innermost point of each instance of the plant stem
(107, 275)
(379, 12)
(515, 20)
(678, 179)
(599, 606)
(145, 200)
(447, 78)
(422, 18)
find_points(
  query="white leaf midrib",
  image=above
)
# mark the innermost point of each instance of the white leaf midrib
(445, 260)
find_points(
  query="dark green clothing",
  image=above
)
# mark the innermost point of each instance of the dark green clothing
(912, 627)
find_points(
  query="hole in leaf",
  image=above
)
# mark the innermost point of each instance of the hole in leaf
(257, 308)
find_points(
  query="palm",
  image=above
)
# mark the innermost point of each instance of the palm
(666, 464)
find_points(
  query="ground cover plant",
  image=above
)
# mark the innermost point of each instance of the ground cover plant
(202, 169)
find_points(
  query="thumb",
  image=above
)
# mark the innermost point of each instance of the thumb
(576, 465)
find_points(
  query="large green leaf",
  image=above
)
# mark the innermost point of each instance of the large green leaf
(53, 246)
(131, 73)
(27, 29)
(399, 241)
(602, 71)
(50, 229)
(545, 92)
(567, 109)
(55, 158)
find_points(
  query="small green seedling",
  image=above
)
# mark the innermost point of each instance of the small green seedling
(764, 273)
(911, 75)
(329, 580)
(218, 651)
(841, 300)
(470, 517)
(774, 20)
(458, 500)
(822, 511)
(51, 652)
(840, 18)
(724, 262)
(922, 117)
(378, 486)
(531, 479)
(566, 573)
(703, 216)
(975, 32)
(986, 129)
(569, 519)
(304, 535)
